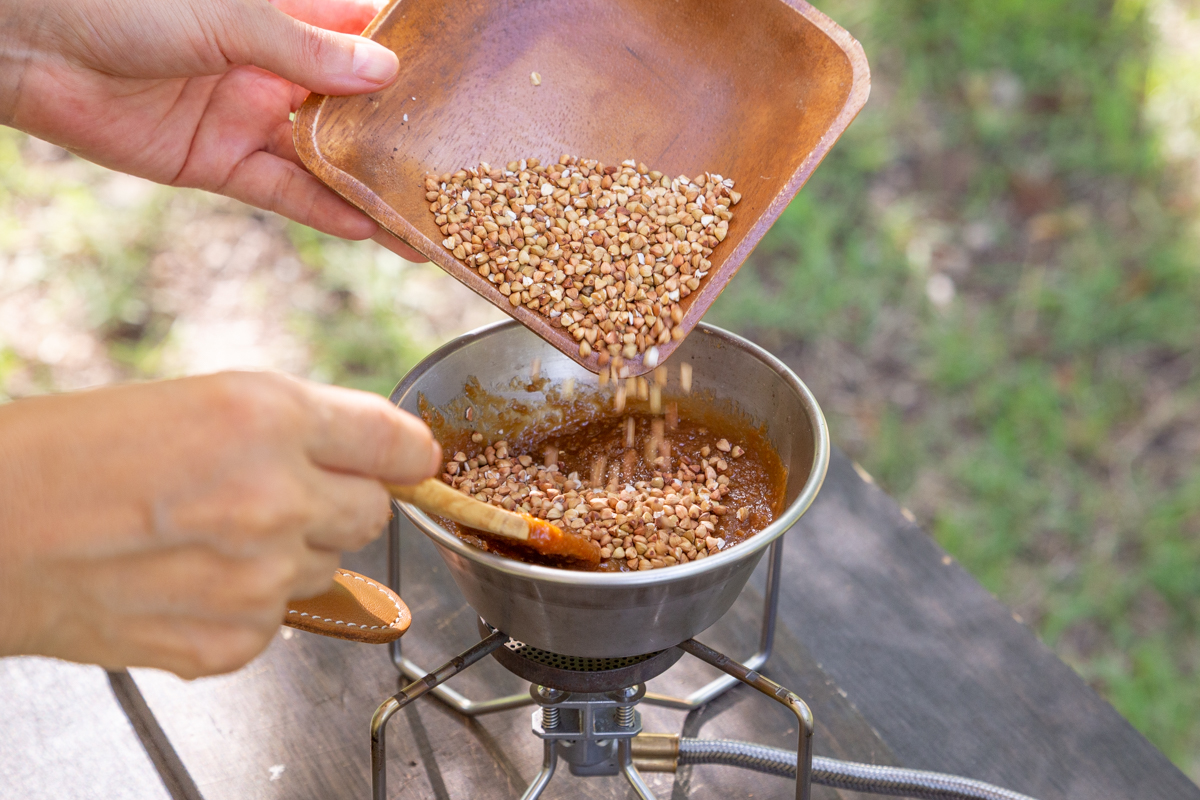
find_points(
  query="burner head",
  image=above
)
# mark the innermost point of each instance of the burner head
(579, 673)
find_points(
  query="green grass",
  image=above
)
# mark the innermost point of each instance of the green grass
(1054, 480)
(359, 339)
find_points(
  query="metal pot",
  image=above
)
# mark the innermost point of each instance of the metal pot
(610, 615)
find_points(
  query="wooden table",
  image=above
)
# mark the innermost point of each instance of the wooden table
(903, 657)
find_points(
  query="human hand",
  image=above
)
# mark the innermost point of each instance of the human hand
(194, 94)
(166, 524)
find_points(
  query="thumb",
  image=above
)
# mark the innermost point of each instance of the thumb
(321, 61)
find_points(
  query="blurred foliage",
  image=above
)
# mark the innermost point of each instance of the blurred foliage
(83, 247)
(358, 339)
(1016, 135)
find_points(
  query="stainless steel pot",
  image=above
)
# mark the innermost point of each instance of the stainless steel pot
(609, 615)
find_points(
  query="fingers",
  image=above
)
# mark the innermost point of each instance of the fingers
(187, 610)
(364, 434)
(196, 535)
(281, 144)
(298, 461)
(190, 648)
(345, 16)
(199, 582)
(319, 577)
(349, 512)
(275, 184)
(319, 60)
(398, 247)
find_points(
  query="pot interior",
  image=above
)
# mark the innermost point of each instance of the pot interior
(501, 379)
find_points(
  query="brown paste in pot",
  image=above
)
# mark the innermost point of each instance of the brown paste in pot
(577, 465)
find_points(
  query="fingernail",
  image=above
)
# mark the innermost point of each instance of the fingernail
(374, 62)
(436, 465)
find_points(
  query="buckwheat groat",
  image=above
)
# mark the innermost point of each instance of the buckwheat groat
(607, 252)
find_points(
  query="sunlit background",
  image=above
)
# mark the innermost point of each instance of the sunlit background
(992, 284)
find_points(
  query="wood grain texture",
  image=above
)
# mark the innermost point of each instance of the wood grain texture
(941, 669)
(755, 90)
(538, 535)
(63, 735)
(158, 747)
(914, 663)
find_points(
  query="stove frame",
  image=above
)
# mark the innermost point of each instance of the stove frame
(598, 732)
(710, 691)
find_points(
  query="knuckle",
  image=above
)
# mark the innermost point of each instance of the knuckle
(271, 505)
(357, 518)
(389, 438)
(316, 46)
(283, 575)
(187, 667)
(362, 535)
(318, 577)
(374, 517)
(405, 443)
(253, 404)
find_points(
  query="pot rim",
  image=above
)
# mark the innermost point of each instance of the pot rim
(725, 558)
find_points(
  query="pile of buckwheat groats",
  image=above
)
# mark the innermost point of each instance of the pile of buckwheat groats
(669, 519)
(607, 252)
(649, 524)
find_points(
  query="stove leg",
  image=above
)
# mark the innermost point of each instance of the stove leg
(393, 565)
(407, 669)
(411, 692)
(766, 642)
(549, 762)
(777, 693)
(625, 757)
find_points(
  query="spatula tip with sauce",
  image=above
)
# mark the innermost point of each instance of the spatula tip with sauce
(520, 529)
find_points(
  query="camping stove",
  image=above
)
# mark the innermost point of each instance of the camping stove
(586, 708)
(634, 626)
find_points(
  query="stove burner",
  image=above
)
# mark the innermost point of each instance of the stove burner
(579, 673)
(593, 731)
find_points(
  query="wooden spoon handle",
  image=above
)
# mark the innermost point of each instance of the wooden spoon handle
(355, 608)
(434, 497)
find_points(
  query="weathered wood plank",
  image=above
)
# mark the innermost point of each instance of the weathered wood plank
(941, 669)
(63, 735)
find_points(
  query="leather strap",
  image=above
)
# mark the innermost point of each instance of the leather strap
(355, 607)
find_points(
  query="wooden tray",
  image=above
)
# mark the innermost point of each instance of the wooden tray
(755, 90)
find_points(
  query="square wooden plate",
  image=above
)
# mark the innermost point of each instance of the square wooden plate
(755, 90)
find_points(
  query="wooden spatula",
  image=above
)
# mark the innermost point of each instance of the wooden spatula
(364, 610)
(434, 497)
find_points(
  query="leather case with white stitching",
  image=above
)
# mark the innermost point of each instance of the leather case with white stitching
(355, 607)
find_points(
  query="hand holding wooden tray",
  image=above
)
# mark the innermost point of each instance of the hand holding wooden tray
(755, 90)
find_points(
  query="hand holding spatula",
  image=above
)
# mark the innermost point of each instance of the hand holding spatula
(357, 608)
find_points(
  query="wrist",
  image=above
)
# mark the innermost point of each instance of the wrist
(19, 24)
(17, 624)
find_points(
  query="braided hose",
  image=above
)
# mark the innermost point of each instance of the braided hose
(867, 778)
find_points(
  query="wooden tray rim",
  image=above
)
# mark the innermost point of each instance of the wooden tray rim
(363, 197)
